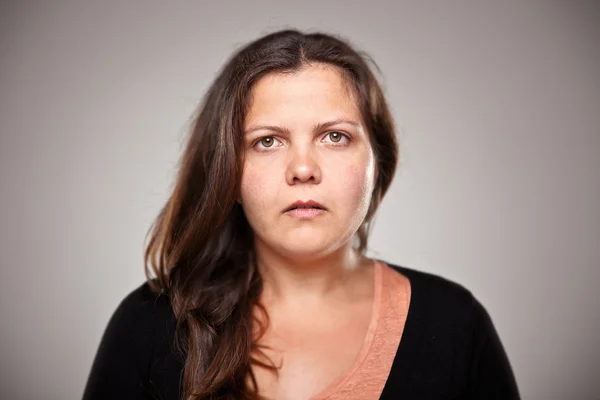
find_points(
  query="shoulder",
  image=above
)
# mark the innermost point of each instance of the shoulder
(140, 307)
(145, 313)
(439, 299)
(144, 302)
(435, 286)
(136, 338)
(450, 340)
(140, 322)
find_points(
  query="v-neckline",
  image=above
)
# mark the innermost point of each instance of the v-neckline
(409, 334)
(369, 336)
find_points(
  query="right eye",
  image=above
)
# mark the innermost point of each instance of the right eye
(266, 142)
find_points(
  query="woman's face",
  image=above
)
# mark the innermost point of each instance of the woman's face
(305, 140)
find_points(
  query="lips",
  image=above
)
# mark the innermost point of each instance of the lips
(305, 204)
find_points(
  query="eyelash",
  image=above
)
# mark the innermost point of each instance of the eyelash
(344, 135)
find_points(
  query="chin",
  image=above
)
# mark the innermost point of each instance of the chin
(307, 247)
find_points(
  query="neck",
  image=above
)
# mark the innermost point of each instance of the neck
(294, 280)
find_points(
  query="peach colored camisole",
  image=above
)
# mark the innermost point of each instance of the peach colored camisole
(367, 376)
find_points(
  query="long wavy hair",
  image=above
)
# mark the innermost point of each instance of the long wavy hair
(200, 249)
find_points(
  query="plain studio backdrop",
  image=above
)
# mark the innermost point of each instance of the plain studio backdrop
(498, 187)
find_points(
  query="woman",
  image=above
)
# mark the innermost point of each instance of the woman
(258, 286)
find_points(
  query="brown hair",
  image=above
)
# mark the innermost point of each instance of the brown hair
(200, 247)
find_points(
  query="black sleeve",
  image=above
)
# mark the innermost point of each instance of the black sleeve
(491, 376)
(118, 370)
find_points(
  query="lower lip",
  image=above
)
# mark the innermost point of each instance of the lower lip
(305, 213)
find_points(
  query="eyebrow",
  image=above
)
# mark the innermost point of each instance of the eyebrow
(317, 127)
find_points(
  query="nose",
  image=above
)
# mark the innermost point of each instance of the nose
(303, 166)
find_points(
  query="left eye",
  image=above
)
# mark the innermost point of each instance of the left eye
(336, 137)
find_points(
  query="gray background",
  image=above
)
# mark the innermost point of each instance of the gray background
(498, 109)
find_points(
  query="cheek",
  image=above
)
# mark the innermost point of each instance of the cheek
(357, 182)
(255, 186)
(251, 188)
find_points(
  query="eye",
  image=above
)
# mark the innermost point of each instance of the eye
(264, 143)
(267, 141)
(337, 137)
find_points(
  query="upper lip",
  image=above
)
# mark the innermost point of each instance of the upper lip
(306, 204)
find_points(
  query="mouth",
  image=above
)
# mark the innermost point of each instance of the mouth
(308, 205)
(304, 212)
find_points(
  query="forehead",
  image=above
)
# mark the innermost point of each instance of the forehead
(313, 92)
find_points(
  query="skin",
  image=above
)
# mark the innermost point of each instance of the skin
(317, 290)
(297, 162)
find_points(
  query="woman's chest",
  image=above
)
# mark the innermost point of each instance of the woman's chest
(310, 360)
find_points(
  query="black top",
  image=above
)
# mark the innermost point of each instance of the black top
(449, 348)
